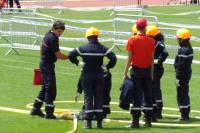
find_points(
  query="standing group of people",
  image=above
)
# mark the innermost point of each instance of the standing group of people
(146, 54)
(10, 3)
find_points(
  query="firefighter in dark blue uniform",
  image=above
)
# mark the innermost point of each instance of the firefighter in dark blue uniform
(160, 56)
(50, 52)
(92, 79)
(140, 58)
(183, 70)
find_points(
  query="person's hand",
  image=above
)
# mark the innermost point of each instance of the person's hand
(156, 61)
(77, 97)
(104, 68)
(125, 76)
(81, 64)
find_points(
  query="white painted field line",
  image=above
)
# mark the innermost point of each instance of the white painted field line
(106, 120)
(175, 109)
(14, 110)
(157, 123)
(75, 20)
(177, 25)
(20, 111)
(117, 103)
(124, 57)
(175, 14)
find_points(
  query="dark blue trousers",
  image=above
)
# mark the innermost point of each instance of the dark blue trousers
(142, 91)
(156, 89)
(106, 93)
(183, 98)
(93, 84)
(48, 90)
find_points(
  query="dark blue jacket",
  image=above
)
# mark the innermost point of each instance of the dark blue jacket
(126, 96)
(183, 61)
(92, 55)
(161, 52)
(49, 47)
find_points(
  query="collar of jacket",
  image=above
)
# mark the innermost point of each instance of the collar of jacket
(93, 41)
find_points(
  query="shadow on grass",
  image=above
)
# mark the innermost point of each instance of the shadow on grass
(142, 128)
(173, 121)
(172, 127)
(126, 119)
(114, 129)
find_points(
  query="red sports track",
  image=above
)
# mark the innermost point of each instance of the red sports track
(98, 3)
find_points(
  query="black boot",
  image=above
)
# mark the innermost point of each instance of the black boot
(88, 124)
(36, 111)
(159, 114)
(154, 118)
(49, 112)
(184, 117)
(148, 122)
(104, 116)
(154, 114)
(184, 114)
(135, 123)
(52, 116)
(159, 110)
(99, 124)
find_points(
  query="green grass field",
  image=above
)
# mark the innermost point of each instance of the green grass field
(16, 89)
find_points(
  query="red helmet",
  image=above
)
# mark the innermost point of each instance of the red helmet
(141, 23)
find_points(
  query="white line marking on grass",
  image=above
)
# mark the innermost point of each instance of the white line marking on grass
(175, 109)
(30, 106)
(128, 121)
(107, 120)
(114, 111)
(177, 25)
(117, 103)
(58, 110)
(76, 20)
(157, 123)
(14, 110)
(175, 14)
(20, 111)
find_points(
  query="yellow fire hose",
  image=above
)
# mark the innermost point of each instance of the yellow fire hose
(68, 115)
(75, 124)
(65, 115)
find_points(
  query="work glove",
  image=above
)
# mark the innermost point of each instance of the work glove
(81, 64)
(155, 61)
(104, 68)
